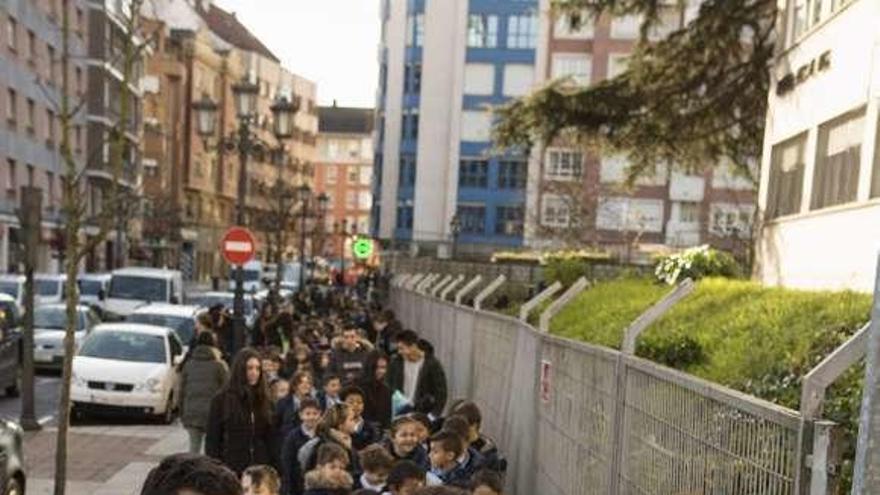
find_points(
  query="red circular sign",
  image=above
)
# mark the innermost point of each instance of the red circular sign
(238, 246)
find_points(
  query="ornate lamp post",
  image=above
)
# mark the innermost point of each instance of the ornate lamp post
(246, 95)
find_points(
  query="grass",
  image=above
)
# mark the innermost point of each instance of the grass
(745, 331)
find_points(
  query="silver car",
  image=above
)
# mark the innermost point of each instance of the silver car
(50, 321)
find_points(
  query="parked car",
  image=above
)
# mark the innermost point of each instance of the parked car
(13, 286)
(10, 345)
(131, 288)
(50, 322)
(128, 369)
(180, 318)
(12, 473)
(209, 299)
(91, 286)
(48, 288)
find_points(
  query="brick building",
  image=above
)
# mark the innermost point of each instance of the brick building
(574, 189)
(344, 171)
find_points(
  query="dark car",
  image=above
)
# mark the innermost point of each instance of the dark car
(10, 346)
(12, 476)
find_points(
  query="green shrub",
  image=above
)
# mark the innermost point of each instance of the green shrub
(695, 263)
(564, 270)
(675, 351)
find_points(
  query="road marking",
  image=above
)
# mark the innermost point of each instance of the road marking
(46, 419)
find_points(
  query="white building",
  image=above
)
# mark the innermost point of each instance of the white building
(820, 175)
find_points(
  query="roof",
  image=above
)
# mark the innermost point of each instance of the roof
(184, 311)
(13, 277)
(133, 328)
(93, 276)
(345, 120)
(50, 276)
(147, 272)
(226, 26)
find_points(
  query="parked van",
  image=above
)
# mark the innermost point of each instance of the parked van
(131, 288)
(91, 286)
(253, 276)
(49, 288)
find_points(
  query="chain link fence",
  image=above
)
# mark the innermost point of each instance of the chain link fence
(579, 419)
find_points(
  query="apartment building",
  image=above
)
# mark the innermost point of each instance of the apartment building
(576, 194)
(30, 131)
(344, 172)
(442, 62)
(820, 174)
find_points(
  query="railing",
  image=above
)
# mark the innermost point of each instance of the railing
(575, 418)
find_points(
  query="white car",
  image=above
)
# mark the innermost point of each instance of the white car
(92, 286)
(13, 286)
(50, 321)
(180, 318)
(48, 288)
(127, 368)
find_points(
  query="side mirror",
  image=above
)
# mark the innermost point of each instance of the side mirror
(102, 295)
(174, 300)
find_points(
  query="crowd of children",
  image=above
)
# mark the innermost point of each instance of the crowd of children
(336, 397)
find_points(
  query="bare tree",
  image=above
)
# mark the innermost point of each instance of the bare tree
(75, 208)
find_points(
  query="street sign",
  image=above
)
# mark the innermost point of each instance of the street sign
(362, 248)
(238, 246)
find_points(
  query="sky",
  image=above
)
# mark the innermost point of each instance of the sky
(332, 42)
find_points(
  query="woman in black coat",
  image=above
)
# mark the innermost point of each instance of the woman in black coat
(377, 400)
(240, 429)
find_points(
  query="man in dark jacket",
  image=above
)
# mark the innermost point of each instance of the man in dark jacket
(418, 375)
(347, 359)
(203, 375)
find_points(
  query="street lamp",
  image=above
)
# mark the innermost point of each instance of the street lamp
(246, 95)
(455, 226)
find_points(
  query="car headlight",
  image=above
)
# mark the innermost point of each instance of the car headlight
(78, 381)
(151, 385)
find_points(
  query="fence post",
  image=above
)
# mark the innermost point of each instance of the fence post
(412, 281)
(653, 314)
(560, 303)
(825, 461)
(423, 288)
(482, 296)
(538, 299)
(467, 288)
(445, 280)
(452, 285)
(829, 370)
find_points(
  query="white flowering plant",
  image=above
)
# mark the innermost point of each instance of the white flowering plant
(695, 263)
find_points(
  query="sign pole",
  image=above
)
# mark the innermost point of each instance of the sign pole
(238, 247)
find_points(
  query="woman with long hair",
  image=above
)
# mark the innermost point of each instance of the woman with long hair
(377, 400)
(241, 430)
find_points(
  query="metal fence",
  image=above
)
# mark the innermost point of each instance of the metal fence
(579, 419)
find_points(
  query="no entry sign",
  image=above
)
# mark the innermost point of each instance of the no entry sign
(238, 246)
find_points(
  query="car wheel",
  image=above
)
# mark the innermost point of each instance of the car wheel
(77, 415)
(13, 487)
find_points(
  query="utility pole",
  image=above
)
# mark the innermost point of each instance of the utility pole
(30, 217)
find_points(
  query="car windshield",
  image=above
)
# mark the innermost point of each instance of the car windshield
(10, 288)
(138, 288)
(90, 287)
(125, 346)
(47, 287)
(54, 318)
(185, 328)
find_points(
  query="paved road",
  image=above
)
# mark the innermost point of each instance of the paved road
(47, 387)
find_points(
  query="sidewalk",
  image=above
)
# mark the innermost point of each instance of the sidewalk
(102, 460)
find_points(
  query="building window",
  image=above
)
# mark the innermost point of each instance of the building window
(630, 215)
(576, 66)
(555, 211)
(509, 220)
(476, 125)
(688, 212)
(473, 219)
(512, 174)
(11, 28)
(473, 173)
(331, 174)
(729, 219)
(77, 132)
(626, 27)
(11, 106)
(30, 116)
(522, 31)
(11, 178)
(786, 183)
(351, 200)
(79, 81)
(482, 31)
(353, 174)
(518, 79)
(50, 126)
(563, 164)
(564, 29)
(407, 171)
(617, 64)
(50, 188)
(405, 217)
(479, 79)
(31, 53)
(30, 175)
(151, 167)
(415, 30)
(838, 151)
(80, 23)
(811, 13)
(417, 78)
(50, 65)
